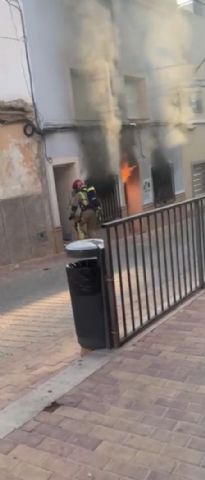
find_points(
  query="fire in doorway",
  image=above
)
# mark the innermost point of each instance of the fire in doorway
(130, 174)
(126, 172)
(131, 179)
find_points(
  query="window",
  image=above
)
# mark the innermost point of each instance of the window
(91, 94)
(175, 158)
(132, 97)
(190, 103)
(81, 83)
(196, 102)
(136, 98)
(198, 179)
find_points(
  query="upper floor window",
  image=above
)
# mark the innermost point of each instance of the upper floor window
(196, 101)
(136, 98)
(88, 105)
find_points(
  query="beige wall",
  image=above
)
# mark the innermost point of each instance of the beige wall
(19, 163)
(25, 227)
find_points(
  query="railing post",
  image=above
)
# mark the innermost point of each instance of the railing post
(199, 243)
(112, 315)
(134, 266)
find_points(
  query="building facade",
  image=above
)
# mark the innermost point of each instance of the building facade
(111, 91)
(25, 226)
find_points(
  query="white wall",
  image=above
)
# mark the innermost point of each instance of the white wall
(50, 27)
(62, 144)
(53, 28)
(14, 79)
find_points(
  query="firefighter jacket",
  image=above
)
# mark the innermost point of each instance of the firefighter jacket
(84, 199)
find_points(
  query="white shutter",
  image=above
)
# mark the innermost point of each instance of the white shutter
(198, 179)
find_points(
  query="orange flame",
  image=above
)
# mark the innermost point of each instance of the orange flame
(126, 171)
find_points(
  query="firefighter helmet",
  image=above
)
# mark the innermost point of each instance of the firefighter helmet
(77, 184)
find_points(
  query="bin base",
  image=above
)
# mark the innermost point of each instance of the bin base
(89, 322)
(91, 344)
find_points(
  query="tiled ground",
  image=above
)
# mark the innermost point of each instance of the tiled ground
(37, 336)
(35, 365)
(141, 417)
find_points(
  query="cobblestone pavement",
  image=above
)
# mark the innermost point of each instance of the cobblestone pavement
(140, 417)
(37, 336)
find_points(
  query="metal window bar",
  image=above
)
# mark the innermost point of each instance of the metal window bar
(152, 265)
(172, 269)
(110, 203)
(188, 234)
(156, 261)
(193, 244)
(203, 233)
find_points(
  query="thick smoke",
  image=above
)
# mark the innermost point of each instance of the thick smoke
(99, 57)
(168, 46)
(160, 38)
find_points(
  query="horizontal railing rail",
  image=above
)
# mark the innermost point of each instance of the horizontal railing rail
(154, 261)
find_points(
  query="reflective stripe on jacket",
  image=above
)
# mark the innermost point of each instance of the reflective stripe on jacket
(83, 199)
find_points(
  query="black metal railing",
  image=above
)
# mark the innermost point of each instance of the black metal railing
(110, 203)
(155, 261)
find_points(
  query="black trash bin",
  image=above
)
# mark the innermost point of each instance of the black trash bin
(85, 284)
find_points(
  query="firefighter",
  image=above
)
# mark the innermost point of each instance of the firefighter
(75, 210)
(75, 214)
(85, 201)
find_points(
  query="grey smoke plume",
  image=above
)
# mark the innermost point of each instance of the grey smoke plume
(168, 50)
(99, 56)
(164, 46)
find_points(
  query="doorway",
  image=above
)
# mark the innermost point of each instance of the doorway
(64, 176)
(133, 193)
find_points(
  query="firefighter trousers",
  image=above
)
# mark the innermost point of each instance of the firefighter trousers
(89, 223)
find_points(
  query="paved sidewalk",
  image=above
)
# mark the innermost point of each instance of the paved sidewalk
(37, 336)
(140, 417)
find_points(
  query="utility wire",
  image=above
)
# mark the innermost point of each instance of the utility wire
(11, 4)
(15, 39)
(31, 90)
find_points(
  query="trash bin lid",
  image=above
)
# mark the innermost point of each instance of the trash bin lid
(84, 248)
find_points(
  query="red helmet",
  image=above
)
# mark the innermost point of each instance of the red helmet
(77, 184)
